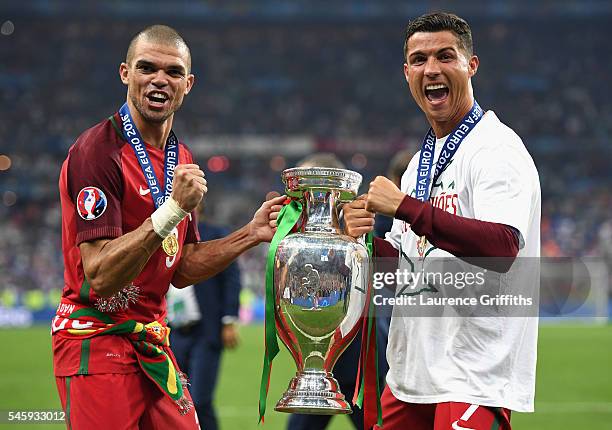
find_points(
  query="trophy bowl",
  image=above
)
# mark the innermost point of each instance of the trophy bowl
(320, 285)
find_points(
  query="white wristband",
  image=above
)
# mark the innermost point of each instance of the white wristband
(166, 217)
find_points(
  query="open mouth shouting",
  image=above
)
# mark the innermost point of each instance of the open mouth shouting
(157, 99)
(436, 93)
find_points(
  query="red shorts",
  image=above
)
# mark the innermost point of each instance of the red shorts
(119, 402)
(440, 416)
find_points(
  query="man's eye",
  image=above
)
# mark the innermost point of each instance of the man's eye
(418, 60)
(176, 73)
(145, 69)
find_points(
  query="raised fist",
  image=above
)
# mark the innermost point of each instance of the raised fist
(383, 197)
(188, 186)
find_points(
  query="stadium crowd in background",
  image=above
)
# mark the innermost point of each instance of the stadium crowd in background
(335, 82)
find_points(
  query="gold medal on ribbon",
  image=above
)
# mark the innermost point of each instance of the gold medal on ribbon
(421, 246)
(170, 245)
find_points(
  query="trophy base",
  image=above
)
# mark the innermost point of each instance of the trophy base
(313, 392)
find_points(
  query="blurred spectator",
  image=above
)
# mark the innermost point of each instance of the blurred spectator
(331, 83)
(198, 342)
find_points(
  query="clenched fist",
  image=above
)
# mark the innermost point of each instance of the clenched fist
(383, 197)
(188, 186)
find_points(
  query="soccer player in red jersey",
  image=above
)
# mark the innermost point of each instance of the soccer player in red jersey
(126, 236)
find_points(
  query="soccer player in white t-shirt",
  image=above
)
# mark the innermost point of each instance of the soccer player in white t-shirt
(480, 198)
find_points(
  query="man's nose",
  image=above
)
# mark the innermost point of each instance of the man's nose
(432, 67)
(160, 78)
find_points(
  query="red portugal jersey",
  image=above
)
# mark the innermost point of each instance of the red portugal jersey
(104, 195)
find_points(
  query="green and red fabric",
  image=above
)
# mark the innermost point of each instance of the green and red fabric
(287, 218)
(367, 389)
(150, 343)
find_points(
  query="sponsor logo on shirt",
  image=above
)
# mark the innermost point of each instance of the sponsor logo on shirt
(143, 191)
(456, 426)
(91, 203)
(465, 417)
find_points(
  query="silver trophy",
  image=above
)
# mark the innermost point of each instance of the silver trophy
(320, 283)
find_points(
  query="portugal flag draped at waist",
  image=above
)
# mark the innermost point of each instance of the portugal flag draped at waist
(148, 340)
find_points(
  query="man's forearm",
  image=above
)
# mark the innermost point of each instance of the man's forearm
(110, 265)
(462, 237)
(202, 260)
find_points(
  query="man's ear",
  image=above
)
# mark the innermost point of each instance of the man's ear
(406, 72)
(473, 65)
(123, 72)
(190, 82)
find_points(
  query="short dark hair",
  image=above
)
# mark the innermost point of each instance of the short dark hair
(441, 21)
(162, 34)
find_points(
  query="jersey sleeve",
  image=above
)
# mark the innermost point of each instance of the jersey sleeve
(462, 237)
(95, 186)
(504, 188)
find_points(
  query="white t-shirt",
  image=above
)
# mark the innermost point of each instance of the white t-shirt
(489, 361)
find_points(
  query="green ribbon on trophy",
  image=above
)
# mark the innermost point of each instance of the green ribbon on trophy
(367, 372)
(287, 218)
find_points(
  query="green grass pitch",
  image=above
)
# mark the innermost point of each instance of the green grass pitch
(574, 387)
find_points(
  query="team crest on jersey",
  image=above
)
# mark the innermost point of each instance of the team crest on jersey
(91, 203)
